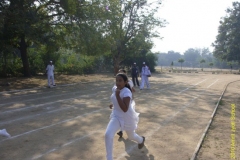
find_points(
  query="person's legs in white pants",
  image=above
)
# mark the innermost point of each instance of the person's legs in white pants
(53, 83)
(49, 80)
(112, 128)
(132, 135)
(147, 82)
(142, 82)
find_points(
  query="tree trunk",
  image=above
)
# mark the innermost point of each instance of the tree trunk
(24, 57)
(116, 62)
(4, 66)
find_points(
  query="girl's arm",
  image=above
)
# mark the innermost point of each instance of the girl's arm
(133, 90)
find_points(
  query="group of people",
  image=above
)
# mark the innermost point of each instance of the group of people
(123, 116)
(145, 73)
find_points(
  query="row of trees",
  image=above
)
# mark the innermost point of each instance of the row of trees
(194, 58)
(78, 35)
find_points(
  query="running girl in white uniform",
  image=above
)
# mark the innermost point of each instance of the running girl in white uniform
(123, 115)
(120, 133)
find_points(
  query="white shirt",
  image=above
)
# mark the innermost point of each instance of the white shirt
(145, 71)
(50, 69)
(128, 120)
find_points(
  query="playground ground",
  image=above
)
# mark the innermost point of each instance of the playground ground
(68, 122)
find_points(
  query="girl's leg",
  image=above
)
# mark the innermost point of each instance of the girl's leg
(112, 128)
(135, 137)
(147, 82)
(53, 79)
(132, 135)
(49, 78)
(142, 82)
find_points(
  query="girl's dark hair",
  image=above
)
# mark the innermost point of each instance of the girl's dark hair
(122, 71)
(125, 78)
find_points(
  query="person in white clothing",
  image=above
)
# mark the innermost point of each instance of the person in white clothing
(3, 132)
(50, 74)
(144, 76)
(123, 115)
(120, 133)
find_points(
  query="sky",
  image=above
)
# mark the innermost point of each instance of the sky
(191, 24)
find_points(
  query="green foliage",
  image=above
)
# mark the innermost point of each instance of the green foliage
(93, 37)
(202, 61)
(151, 60)
(181, 61)
(226, 45)
(10, 65)
(210, 64)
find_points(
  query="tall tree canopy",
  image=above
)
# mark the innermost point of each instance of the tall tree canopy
(227, 44)
(90, 27)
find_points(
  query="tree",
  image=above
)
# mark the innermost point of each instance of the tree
(226, 45)
(113, 30)
(202, 61)
(172, 64)
(211, 65)
(25, 22)
(181, 61)
(127, 20)
(191, 56)
(173, 56)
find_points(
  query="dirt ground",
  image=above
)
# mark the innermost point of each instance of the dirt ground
(68, 122)
(222, 139)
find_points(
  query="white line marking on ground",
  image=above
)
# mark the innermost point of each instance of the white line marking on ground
(46, 97)
(64, 145)
(67, 120)
(192, 86)
(36, 88)
(27, 117)
(43, 104)
(212, 83)
(17, 96)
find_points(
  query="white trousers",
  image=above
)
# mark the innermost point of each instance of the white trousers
(51, 79)
(112, 128)
(144, 79)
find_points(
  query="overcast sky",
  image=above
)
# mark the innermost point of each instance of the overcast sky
(192, 24)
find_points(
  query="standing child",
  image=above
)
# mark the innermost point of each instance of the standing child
(123, 115)
(144, 76)
(50, 74)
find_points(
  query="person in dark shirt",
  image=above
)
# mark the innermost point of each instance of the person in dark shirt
(135, 74)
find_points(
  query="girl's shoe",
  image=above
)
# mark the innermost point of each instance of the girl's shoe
(120, 133)
(140, 146)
